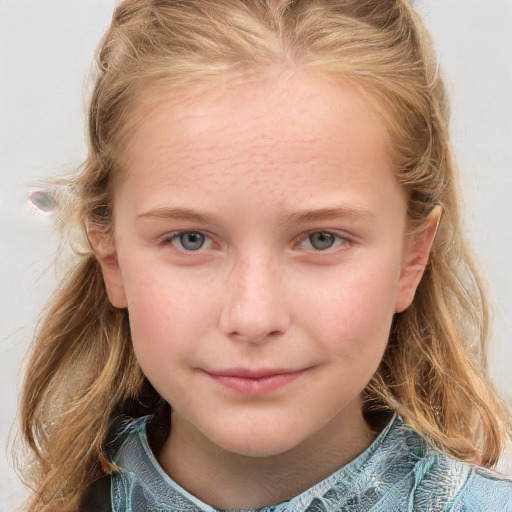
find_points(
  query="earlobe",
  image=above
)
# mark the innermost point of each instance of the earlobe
(416, 259)
(105, 251)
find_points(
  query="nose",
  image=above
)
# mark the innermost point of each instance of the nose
(255, 309)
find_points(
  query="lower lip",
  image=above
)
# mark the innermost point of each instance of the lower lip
(256, 386)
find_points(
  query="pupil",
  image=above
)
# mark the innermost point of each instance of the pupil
(192, 241)
(321, 240)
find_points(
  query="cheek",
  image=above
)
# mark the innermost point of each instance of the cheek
(354, 307)
(166, 311)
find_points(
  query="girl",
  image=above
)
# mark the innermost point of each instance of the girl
(275, 308)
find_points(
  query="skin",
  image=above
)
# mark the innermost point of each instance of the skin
(257, 168)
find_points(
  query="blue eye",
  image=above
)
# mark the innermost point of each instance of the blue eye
(323, 240)
(189, 240)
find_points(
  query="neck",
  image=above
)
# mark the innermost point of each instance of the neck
(228, 480)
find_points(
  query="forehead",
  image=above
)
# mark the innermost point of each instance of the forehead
(257, 132)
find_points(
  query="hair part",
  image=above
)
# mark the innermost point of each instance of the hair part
(433, 372)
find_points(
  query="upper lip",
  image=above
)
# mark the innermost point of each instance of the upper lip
(249, 373)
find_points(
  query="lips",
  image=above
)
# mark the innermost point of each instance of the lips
(254, 382)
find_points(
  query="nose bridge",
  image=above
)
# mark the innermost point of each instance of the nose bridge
(255, 305)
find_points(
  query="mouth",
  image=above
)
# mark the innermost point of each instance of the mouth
(254, 382)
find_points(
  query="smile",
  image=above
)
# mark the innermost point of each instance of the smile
(249, 382)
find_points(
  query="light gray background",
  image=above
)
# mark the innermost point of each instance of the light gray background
(45, 52)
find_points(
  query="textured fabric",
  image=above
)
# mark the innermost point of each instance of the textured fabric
(399, 472)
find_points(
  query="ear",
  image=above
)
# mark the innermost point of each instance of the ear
(105, 251)
(415, 260)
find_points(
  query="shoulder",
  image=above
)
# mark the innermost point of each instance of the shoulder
(484, 490)
(415, 476)
(125, 430)
(446, 484)
(97, 497)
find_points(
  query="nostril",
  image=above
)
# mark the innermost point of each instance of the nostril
(254, 336)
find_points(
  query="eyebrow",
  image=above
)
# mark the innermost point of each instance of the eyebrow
(353, 212)
(185, 214)
(174, 213)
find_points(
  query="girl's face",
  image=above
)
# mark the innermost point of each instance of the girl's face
(261, 249)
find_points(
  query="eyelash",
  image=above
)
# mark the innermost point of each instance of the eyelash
(172, 237)
(338, 240)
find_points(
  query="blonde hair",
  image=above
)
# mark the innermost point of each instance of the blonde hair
(433, 372)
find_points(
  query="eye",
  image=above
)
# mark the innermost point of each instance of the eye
(323, 240)
(189, 240)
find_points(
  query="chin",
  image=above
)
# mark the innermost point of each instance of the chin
(255, 448)
(259, 443)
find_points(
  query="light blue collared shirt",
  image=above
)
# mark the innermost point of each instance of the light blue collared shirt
(398, 472)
